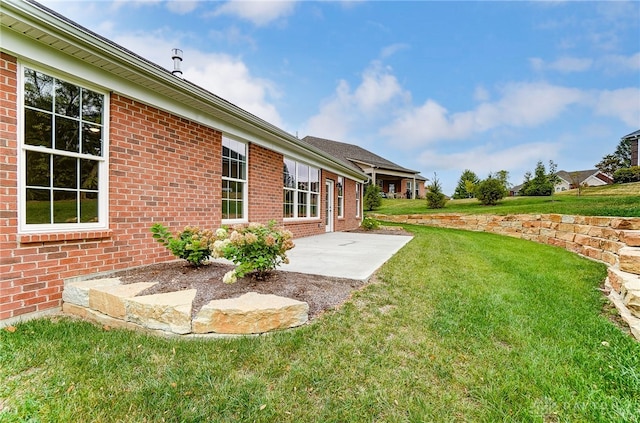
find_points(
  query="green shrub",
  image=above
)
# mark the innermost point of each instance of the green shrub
(369, 224)
(372, 198)
(435, 197)
(193, 244)
(627, 174)
(256, 249)
(490, 191)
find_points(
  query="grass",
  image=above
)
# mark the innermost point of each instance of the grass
(610, 200)
(459, 327)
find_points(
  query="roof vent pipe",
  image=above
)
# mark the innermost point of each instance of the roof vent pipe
(176, 55)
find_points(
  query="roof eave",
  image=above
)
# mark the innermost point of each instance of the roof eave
(46, 20)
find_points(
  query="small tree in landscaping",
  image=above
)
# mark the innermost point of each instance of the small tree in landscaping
(435, 197)
(372, 199)
(490, 191)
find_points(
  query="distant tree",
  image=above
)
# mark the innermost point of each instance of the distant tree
(502, 176)
(372, 199)
(576, 183)
(490, 191)
(467, 182)
(627, 174)
(552, 176)
(542, 183)
(621, 158)
(435, 197)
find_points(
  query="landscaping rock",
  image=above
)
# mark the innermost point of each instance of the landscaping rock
(630, 293)
(630, 259)
(78, 292)
(631, 238)
(109, 299)
(169, 312)
(250, 313)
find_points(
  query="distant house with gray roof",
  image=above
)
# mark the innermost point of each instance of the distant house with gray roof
(589, 178)
(394, 180)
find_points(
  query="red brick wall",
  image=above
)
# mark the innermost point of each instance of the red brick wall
(162, 168)
(265, 185)
(8, 191)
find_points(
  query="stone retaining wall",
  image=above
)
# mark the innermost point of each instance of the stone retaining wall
(596, 237)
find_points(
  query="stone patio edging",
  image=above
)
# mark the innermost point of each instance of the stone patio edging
(112, 304)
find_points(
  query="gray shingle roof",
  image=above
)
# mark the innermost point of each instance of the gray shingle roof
(632, 135)
(350, 153)
(582, 175)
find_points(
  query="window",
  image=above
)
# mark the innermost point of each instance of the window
(234, 179)
(301, 194)
(358, 189)
(64, 160)
(340, 189)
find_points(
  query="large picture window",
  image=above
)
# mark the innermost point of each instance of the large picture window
(301, 196)
(234, 180)
(63, 159)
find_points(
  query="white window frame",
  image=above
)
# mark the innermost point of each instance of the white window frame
(103, 161)
(245, 182)
(358, 193)
(340, 195)
(296, 191)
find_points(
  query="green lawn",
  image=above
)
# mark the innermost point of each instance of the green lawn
(613, 200)
(462, 326)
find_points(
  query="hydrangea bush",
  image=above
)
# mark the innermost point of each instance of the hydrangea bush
(256, 249)
(193, 244)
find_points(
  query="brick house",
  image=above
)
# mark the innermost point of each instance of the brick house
(394, 180)
(97, 144)
(634, 139)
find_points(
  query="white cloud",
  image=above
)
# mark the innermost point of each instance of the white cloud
(623, 104)
(377, 88)
(222, 74)
(393, 49)
(481, 94)
(259, 12)
(182, 7)
(377, 91)
(617, 63)
(562, 64)
(521, 105)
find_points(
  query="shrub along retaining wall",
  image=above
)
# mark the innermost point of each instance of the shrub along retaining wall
(612, 240)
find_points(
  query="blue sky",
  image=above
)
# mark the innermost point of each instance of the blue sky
(433, 86)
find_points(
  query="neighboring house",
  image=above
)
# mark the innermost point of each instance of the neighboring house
(394, 180)
(634, 137)
(585, 178)
(515, 190)
(97, 144)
